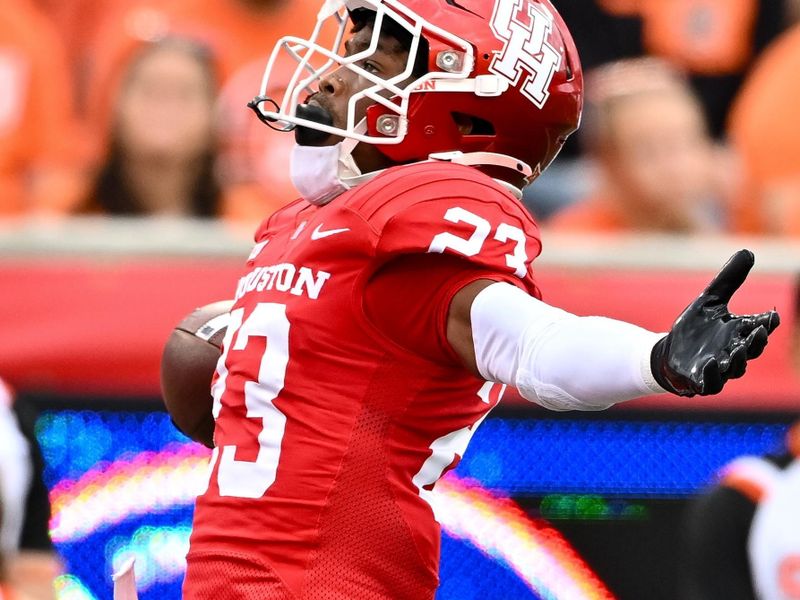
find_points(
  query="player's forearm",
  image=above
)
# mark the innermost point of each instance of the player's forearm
(557, 359)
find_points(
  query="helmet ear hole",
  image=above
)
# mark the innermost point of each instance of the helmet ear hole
(472, 125)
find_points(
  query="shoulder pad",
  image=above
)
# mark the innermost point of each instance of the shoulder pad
(445, 208)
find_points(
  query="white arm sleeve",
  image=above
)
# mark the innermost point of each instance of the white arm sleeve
(556, 359)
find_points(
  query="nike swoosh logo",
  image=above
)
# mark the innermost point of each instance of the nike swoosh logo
(318, 233)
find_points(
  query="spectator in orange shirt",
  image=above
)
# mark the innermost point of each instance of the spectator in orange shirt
(713, 41)
(657, 165)
(38, 141)
(237, 32)
(161, 147)
(765, 131)
(77, 23)
(239, 29)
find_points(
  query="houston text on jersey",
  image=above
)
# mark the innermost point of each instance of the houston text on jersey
(284, 277)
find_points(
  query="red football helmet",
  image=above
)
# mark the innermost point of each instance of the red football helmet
(507, 68)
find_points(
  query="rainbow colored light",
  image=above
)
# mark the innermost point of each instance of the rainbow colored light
(139, 484)
(127, 487)
(538, 553)
(69, 587)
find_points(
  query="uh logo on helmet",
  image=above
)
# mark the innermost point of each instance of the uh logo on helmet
(525, 27)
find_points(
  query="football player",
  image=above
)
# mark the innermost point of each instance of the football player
(741, 537)
(385, 311)
(26, 550)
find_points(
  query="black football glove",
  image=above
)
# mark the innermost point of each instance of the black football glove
(708, 345)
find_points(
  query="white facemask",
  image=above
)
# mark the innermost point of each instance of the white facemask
(321, 173)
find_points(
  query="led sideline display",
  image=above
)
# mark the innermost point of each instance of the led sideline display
(123, 483)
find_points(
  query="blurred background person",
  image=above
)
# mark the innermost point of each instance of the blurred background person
(765, 131)
(77, 22)
(742, 536)
(38, 145)
(238, 34)
(713, 41)
(158, 157)
(242, 33)
(240, 28)
(656, 166)
(29, 560)
(157, 105)
(237, 31)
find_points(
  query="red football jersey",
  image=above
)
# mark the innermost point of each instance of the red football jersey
(329, 434)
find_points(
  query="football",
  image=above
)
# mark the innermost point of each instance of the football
(187, 364)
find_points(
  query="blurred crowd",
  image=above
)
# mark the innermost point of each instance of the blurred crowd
(137, 107)
(687, 126)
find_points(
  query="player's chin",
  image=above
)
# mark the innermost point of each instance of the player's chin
(310, 136)
(306, 136)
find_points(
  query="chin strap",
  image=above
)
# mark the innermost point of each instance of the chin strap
(351, 176)
(349, 173)
(348, 169)
(474, 159)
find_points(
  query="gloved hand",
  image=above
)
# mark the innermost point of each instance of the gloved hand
(708, 345)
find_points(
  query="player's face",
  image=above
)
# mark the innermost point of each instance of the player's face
(336, 89)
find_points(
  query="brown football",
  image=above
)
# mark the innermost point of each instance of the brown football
(187, 365)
